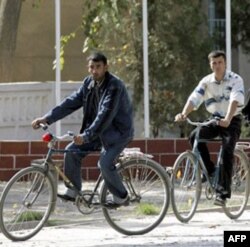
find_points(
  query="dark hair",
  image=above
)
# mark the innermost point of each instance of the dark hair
(216, 53)
(97, 57)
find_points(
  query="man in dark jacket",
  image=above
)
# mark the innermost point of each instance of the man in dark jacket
(107, 124)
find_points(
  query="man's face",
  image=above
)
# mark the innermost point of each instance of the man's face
(218, 66)
(97, 70)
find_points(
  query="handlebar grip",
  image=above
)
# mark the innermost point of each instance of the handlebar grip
(71, 133)
(43, 126)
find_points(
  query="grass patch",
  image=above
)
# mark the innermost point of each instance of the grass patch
(147, 209)
(54, 222)
(29, 216)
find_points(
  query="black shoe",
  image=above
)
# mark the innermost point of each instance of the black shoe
(220, 201)
(117, 203)
(66, 197)
(204, 178)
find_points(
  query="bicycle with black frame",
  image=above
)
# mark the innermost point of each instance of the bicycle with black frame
(186, 184)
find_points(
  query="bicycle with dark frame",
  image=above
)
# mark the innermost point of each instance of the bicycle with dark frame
(186, 184)
(30, 196)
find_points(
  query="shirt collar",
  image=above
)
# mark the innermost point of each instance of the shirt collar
(94, 83)
(99, 83)
(225, 78)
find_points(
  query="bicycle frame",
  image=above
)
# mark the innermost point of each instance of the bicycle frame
(187, 184)
(48, 162)
(199, 162)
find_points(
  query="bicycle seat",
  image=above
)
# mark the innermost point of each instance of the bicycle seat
(134, 152)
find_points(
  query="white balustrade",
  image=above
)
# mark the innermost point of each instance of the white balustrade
(20, 103)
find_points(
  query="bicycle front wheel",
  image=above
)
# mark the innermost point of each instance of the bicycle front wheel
(185, 186)
(26, 203)
(148, 186)
(236, 205)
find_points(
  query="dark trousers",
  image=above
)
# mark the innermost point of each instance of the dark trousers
(73, 162)
(229, 136)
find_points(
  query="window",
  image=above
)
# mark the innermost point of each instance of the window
(217, 22)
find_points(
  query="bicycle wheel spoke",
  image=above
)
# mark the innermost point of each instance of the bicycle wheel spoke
(148, 187)
(239, 187)
(185, 190)
(26, 203)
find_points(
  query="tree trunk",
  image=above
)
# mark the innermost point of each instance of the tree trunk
(9, 18)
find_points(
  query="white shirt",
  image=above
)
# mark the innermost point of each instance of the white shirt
(217, 95)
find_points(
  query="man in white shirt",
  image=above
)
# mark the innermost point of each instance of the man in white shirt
(223, 95)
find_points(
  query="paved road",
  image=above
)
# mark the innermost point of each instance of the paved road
(73, 229)
(205, 229)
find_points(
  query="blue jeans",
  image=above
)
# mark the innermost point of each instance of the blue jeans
(72, 164)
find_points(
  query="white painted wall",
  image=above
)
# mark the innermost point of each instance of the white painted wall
(20, 103)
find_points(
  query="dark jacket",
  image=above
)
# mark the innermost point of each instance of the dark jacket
(114, 119)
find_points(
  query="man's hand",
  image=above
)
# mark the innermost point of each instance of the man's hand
(180, 117)
(36, 122)
(224, 123)
(78, 140)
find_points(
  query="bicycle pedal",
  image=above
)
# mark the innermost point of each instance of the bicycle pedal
(169, 170)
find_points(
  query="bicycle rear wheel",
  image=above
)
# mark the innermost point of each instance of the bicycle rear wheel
(236, 205)
(186, 186)
(26, 203)
(148, 186)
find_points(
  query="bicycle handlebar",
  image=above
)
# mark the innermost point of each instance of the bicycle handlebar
(43, 126)
(211, 121)
(68, 136)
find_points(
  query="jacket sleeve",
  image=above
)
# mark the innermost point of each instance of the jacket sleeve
(66, 107)
(106, 112)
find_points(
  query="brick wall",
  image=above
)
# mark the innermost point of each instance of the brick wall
(15, 155)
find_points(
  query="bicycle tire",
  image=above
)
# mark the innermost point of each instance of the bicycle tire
(185, 186)
(148, 205)
(236, 205)
(26, 203)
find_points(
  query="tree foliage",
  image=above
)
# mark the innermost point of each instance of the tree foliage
(9, 19)
(10, 11)
(178, 46)
(177, 52)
